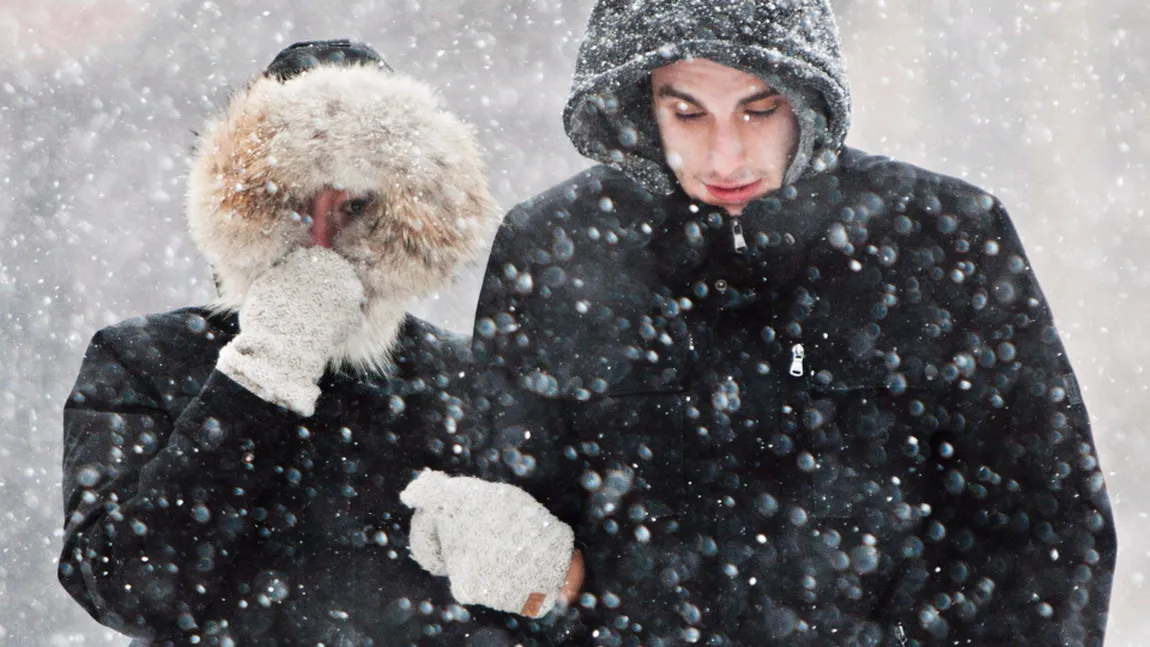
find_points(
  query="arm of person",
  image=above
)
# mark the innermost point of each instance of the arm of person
(158, 543)
(517, 416)
(511, 350)
(159, 512)
(1019, 543)
(520, 531)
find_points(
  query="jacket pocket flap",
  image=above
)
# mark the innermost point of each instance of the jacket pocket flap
(644, 380)
(839, 374)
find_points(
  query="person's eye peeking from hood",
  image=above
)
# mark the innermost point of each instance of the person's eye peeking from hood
(332, 211)
(727, 135)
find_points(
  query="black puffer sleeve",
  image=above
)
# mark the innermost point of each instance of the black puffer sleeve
(529, 423)
(158, 509)
(1018, 543)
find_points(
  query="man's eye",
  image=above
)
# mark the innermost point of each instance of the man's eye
(686, 112)
(758, 114)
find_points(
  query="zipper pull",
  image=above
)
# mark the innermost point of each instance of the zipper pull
(798, 354)
(737, 235)
(900, 634)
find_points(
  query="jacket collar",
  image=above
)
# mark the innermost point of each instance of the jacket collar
(695, 243)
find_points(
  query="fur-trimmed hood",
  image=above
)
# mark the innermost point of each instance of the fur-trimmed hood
(791, 44)
(361, 129)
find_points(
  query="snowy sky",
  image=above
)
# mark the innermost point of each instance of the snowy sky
(1042, 103)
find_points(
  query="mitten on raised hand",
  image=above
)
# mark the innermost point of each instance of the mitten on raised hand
(294, 316)
(498, 546)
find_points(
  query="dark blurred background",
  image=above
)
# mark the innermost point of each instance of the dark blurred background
(1042, 103)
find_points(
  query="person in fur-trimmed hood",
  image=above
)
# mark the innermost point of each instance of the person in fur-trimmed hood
(784, 392)
(232, 473)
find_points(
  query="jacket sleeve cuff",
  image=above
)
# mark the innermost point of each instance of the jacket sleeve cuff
(227, 413)
(268, 380)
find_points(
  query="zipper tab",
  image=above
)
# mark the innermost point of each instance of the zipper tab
(798, 354)
(737, 235)
(900, 634)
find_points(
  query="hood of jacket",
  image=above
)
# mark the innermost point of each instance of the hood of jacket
(358, 128)
(791, 44)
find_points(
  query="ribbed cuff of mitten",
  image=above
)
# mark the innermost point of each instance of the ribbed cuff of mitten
(510, 589)
(274, 377)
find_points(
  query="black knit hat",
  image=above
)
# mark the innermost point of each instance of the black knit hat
(305, 55)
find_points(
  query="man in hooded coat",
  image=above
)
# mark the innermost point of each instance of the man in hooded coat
(785, 392)
(232, 473)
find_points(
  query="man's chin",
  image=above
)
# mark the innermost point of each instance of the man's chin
(733, 207)
(734, 203)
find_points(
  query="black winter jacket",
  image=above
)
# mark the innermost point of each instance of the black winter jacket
(862, 430)
(197, 511)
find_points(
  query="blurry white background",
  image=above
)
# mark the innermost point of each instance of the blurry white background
(1043, 103)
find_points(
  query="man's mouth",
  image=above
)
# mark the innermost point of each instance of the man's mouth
(734, 193)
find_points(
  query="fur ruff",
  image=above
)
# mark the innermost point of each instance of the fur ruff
(356, 128)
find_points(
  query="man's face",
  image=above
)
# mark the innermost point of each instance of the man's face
(728, 135)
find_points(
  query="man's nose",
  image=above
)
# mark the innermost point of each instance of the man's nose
(727, 155)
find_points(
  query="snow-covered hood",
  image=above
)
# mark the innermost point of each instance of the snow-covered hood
(357, 128)
(792, 44)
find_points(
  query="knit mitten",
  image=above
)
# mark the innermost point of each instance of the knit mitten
(498, 545)
(294, 315)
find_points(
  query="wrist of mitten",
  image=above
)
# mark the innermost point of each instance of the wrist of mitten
(498, 546)
(274, 369)
(526, 579)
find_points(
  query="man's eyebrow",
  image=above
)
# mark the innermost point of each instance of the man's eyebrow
(668, 91)
(759, 96)
(673, 93)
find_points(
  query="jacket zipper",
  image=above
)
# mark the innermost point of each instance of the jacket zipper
(900, 634)
(737, 235)
(798, 354)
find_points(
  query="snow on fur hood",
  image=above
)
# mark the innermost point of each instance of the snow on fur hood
(359, 128)
(792, 44)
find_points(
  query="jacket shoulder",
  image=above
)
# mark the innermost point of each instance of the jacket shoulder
(600, 189)
(916, 205)
(902, 180)
(163, 334)
(153, 361)
(421, 340)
